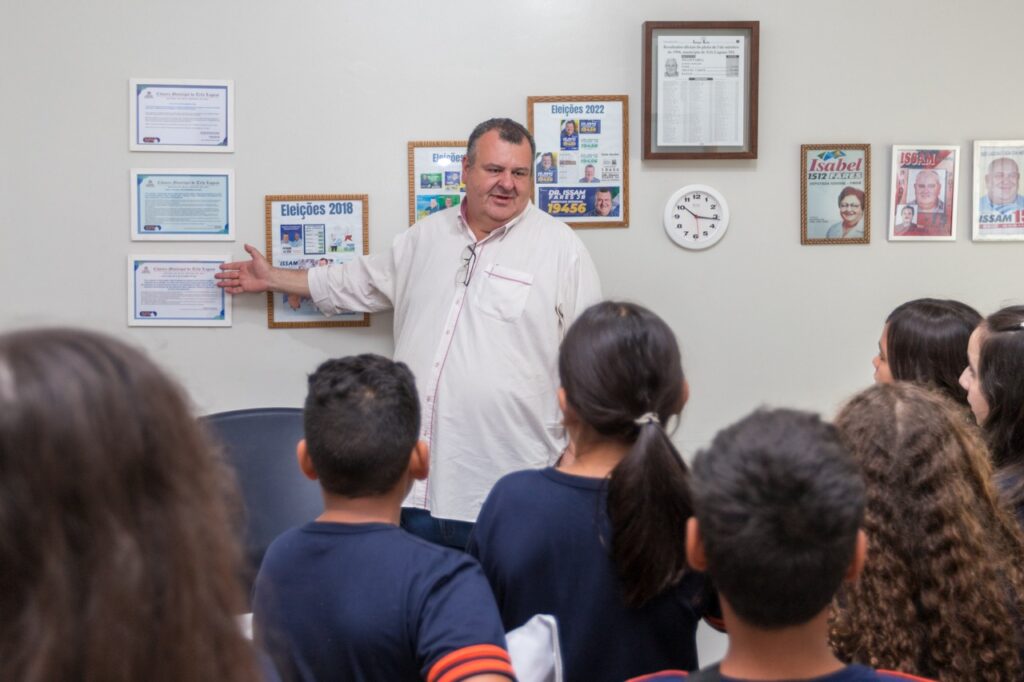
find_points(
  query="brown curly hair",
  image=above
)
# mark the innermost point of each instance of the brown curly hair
(942, 588)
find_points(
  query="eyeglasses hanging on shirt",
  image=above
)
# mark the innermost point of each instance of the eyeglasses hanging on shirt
(468, 261)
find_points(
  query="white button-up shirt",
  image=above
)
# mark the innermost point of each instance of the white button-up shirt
(484, 354)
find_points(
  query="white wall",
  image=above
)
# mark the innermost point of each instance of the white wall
(328, 92)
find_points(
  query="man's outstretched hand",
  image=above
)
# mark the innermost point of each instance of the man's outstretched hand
(246, 276)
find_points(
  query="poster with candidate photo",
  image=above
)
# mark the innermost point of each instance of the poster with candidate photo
(435, 177)
(581, 167)
(924, 192)
(998, 213)
(310, 231)
(835, 193)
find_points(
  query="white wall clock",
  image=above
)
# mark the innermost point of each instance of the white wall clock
(696, 216)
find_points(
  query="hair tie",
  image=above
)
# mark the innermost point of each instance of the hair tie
(647, 418)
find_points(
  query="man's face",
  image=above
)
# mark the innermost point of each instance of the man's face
(570, 127)
(588, 172)
(603, 203)
(497, 182)
(545, 161)
(926, 189)
(1002, 179)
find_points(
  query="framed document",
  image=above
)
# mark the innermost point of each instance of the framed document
(193, 204)
(435, 177)
(700, 89)
(168, 115)
(581, 171)
(998, 213)
(176, 291)
(835, 193)
(312, 230)
(924, 188)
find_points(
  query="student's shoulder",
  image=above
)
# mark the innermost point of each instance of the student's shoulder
(851, 673)
(287, 544)
(893, 675)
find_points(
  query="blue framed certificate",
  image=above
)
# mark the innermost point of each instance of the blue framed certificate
(176, 291)
(182, 204)
(169, 115)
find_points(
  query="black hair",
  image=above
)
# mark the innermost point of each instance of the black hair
(620, 362)
(1001, 374)
(779, 501)
(926, 343)
(508, 130)
(362, 420)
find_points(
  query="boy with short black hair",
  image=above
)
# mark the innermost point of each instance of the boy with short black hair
(351, 596)
(778, 504)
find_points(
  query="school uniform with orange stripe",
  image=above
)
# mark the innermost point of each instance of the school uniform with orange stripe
(340, 602)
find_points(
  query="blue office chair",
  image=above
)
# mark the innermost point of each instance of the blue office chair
(260, 444)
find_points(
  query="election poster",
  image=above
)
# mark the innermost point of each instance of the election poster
(313, 231)
(435, 177)
(581, 166)
(835, 193)
(998, 199)
(923, 196)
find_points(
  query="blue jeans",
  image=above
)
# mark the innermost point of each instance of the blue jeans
(445, 532)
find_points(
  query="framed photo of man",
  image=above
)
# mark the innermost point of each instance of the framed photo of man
(435, 177)
(581, 172)
(313, 230)
(998, 206)
(924, 192)
(835, 193)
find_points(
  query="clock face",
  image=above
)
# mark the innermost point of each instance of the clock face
(696, 216)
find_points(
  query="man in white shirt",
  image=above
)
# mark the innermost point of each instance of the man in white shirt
(483, 293)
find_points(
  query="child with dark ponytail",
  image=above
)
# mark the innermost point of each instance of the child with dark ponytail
(599, 541)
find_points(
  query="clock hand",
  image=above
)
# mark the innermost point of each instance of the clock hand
(698, 217)
(692, 213)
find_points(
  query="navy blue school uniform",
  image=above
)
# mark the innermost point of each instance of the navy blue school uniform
(851, 673)
(338, 601)
(543, 540)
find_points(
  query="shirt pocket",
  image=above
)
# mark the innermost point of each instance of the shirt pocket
(504, 292)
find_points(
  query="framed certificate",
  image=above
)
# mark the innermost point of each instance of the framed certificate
(700, 89)
(435, 177)
(924, 189)
(835, 193)
(581, 169)
(176, 291)
(167, 115)
(313, 230)
(193, 204)
(998, 206)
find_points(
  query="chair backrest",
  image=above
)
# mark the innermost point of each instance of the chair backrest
(260, 445)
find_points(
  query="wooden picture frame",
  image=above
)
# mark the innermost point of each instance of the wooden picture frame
(307, 230)
(835, 179)
(581, 168)
(429, 159)
(700, 85)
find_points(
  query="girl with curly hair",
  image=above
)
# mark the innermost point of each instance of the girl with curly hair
(942, 590)
(994, 381)
(117, 562)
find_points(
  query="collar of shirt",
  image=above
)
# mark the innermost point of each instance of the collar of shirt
(498, 233)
